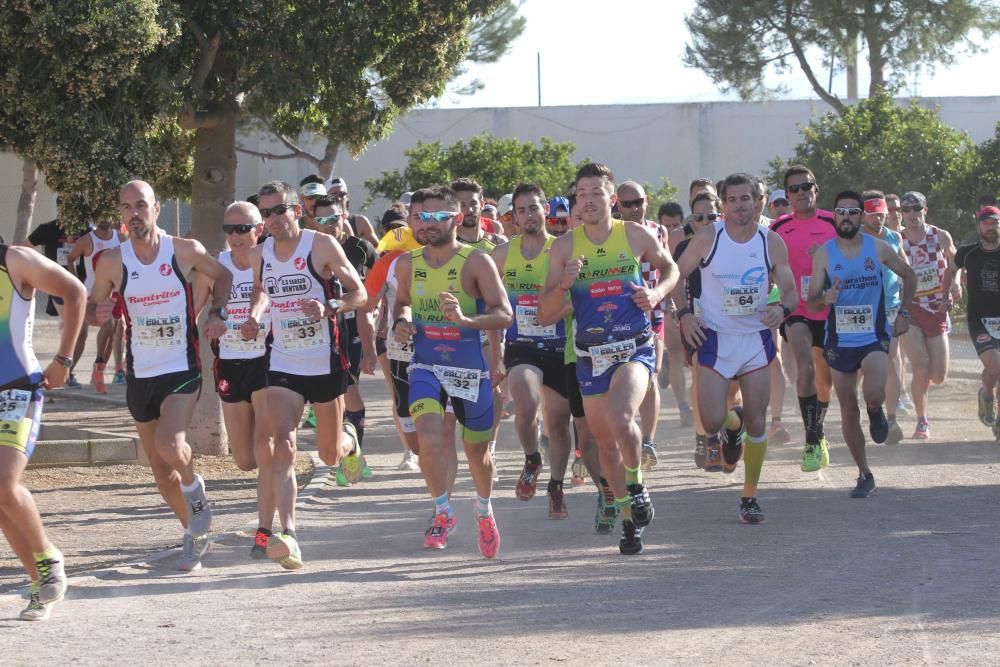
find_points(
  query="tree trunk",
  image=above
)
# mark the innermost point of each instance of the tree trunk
(213, 187)
(851, 60)
(26, 202)
(329, 161)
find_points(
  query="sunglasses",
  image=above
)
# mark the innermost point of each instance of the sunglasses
(280, 209)
(437, 216)
(702, 217)
(631, 203)
(237, 229)
(908, 209)
(327, 219)
(561, 222)
(848, 211)
(779, 202)
(893, 209)
(801, 187)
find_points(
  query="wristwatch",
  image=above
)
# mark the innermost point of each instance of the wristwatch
(220, 312)
(65, 362)
(334, 305)
(904, 313)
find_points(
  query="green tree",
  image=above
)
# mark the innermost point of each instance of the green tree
(878, 144)
(499, 164)
(656, 196)
(739, 42)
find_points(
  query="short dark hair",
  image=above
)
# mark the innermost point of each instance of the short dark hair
(311, 178)
(986, 200)
(796, 170)
(290, 194)
(418, 196)
(848, 194)
(595, 170)
(872, 194)
(326, 201)
(739, 178)
(706, 196)
(442, 192)
(527, 189)
(467, 185)
(670, 208)
(253, 199)
(699, 182)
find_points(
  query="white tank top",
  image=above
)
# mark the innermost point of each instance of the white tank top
(734, 282)
(161, 335)
(232, 345)
(299, 345)
(91, 261)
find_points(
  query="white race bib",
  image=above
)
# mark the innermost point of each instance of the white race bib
(890, 316)
(302, 333)
(928, 278)
(14, 405)
(233, 340)
(460, 383)
(62, 255)
(158, 332)
(804, 287)
(605, 356)
(741, 300)
(855, 319)
(527, 323)
(399, 351)
(992, 325)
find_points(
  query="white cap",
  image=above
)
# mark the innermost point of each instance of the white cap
(505, 204)
(313, 190)
(336, 182)
(776, 195)
(406, 198)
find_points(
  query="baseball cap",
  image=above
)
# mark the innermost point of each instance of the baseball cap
(406, 198)
(558, 207)
(336, 182)
(913, 198)
(505, 205)
(988, 212)
(876, 205)
(313, 190)
(776, 195)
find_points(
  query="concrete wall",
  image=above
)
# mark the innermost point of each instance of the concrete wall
(645, 142)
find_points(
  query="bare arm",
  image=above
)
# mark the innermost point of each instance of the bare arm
(481, 273)
(554, 302)
(81, 248)
(891, 258)
(355, 295)
(192, 253)
(404, 331)
(815, 299)
(648, 247)
(107, 275)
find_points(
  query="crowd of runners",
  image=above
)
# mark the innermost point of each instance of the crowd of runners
(570, 313)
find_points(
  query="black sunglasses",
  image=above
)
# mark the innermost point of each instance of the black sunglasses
(801, 187)
(265, 213)
(908, 209)
(631, 203)
(701, 217)
(237, 229)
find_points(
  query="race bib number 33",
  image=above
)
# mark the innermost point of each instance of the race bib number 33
(300, 333)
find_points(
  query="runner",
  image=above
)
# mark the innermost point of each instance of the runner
(152, 272)
(449, 293)
(847, 281)
(534, 355)
(241, 365)
(737, 260)
(22, 393)
(981, 262)
(613, 337)
(361, 226)
(295, 270)
(929, 250)
(804, 230)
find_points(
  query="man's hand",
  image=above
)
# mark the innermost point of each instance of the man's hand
(313, 309)
(404, 331)
(250, 329)
(692, 330)
(644, 297)
(831, 295)
(450, 308)
(54, 375)
(368, 362)
(772, 315)
(215, 327)
(571, 272)
(901, 326)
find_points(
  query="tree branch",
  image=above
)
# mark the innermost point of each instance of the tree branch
(273, 156)
(800, 55)
(209, 52)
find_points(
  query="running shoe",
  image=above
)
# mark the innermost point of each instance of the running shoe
(987, 409)
(778, 435)
(409, 461)
(35, 611)
(579, 470)
(119, 377)
(527, 483)
(649, 458)
(923, 430)
(865, 486)
(642, 505)
(489, 536)
(97, 379)
(901, 408)
(366, 472)
(438, 530)
(259, 549)
(907, 402)
(895, 433)
(607, 512)
(700, 451)
(713, 454)
(810, 457)
(878, 428)
(284, 550)
(350, 468)
(51, 579)
(750, 511)
(557, 504)
(996, 431)
(631, 542)
(72, 383)
(824, 452)
(687, 416)
(192, 551)
(199, 509)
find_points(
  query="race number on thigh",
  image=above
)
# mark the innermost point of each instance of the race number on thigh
(605, 356)
(460, 383)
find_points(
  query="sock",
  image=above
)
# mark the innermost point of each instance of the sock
(290, 532)
(198, 482)
(119, 368)
(625, 505)
(535, 458)
(483, 506)
(36, 585)
(492, 446)
(684, 407)
(442, 506)
(50, 553)
(891, 418)
(808, 408)
(99, 361)
(633, 475)
(733, 421)
(555, 485)
(357, 417)
(187, 531)
(262, 529)
(754, 451)
(821, 408)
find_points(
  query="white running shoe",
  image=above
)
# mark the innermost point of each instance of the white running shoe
(409, 461)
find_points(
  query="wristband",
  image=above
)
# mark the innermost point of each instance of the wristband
(65, 362)
(682, 312)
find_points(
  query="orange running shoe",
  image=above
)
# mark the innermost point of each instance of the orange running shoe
(436, 535)
(489, 536)
(97, 379)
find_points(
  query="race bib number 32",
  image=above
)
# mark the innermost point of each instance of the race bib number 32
(462, 383)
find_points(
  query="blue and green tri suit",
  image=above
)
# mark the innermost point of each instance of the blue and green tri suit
(856, 325)
(448, 359)
(609, 329)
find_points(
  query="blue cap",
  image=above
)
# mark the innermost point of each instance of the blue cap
(558, 207)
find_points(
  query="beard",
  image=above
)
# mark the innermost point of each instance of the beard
(848, 233)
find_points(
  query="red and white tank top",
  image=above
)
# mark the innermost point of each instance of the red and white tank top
(651, 275)
(928, 261)
(161, 335)
(100, 245)
(232, 345)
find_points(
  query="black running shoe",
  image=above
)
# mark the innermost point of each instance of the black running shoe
(865, 486)
(713, 454)
(642, 505)
(732, 444)
(631, 542)
(750, 511)
(878, 427)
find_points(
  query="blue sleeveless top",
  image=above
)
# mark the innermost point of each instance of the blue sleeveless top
(858, 318)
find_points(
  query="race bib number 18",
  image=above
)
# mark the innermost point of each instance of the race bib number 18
(855, 319)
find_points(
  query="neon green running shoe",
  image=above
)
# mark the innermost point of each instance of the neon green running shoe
(284, 550)
(341, 478)
(351, 465)
(310, 417)
(811, 458)
(366, 472)
(35, 611)
(824, 453)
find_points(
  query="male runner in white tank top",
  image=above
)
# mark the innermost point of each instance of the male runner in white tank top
(152, 271)
(295, 270)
